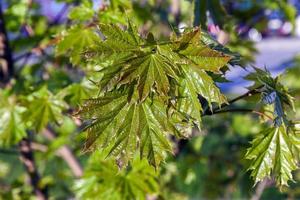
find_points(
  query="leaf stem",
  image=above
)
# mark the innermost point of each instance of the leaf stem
(247, 94)
(219, 108)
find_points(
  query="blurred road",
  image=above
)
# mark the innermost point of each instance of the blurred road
(273, 53)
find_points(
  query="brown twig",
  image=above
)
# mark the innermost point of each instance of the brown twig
(7, 70)
(27, 158)
(242, 110)
(219, 108)
(261, 186)
(39, 47)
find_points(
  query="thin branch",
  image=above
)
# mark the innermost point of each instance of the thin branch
(247, 94)
(219, 108)
(27, 158)
(38, 46)
(59, 15)
(261, 186)
(241, 110)
(7, 70)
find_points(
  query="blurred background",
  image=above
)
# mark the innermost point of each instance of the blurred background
(263, 33)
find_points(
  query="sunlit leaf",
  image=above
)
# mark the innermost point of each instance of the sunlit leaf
(12, 128)
(75, 41)
(43, 107)
(272, 155)
(126, 128)
(148, 90)
(134, 182)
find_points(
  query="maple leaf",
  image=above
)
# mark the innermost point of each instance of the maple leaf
(12, 128)
(43, 107)
(272, 155)
(139, 78)
(126, 128)
(75, 41)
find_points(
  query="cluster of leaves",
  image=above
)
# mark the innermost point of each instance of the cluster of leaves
(274, 152)
(103, 180)
(32, 112)
(148, 90)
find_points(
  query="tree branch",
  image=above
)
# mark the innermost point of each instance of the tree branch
(56, 20)
(247, 94)
(241, 110)
(6, 63)
(261, 186)
(219, 108)
(27, 158)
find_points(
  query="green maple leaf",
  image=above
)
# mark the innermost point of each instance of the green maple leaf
(134, 182)
(146, 62)
(75, 41)
(43, 107)
(272, 155)
(118, 44)
(128, 38)
(296, 138)
(273, 92)
(83, 12)
(151, 72)
(76, 93)
(197, 83)
(148, 90)
(126, 128)
(194, 52)
(12, 128)
(214, 44)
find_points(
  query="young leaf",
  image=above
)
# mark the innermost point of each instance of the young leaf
(75, 41)
(129, 38)
(193, 52)
(151, 72)
(134, 182)
(139, 80)
(43, 107)
(75, 93)
(215, 45)
(127, 127)
(272, 155)
(193, 84)
(273, 92)
(83, 12)
(12, 129)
